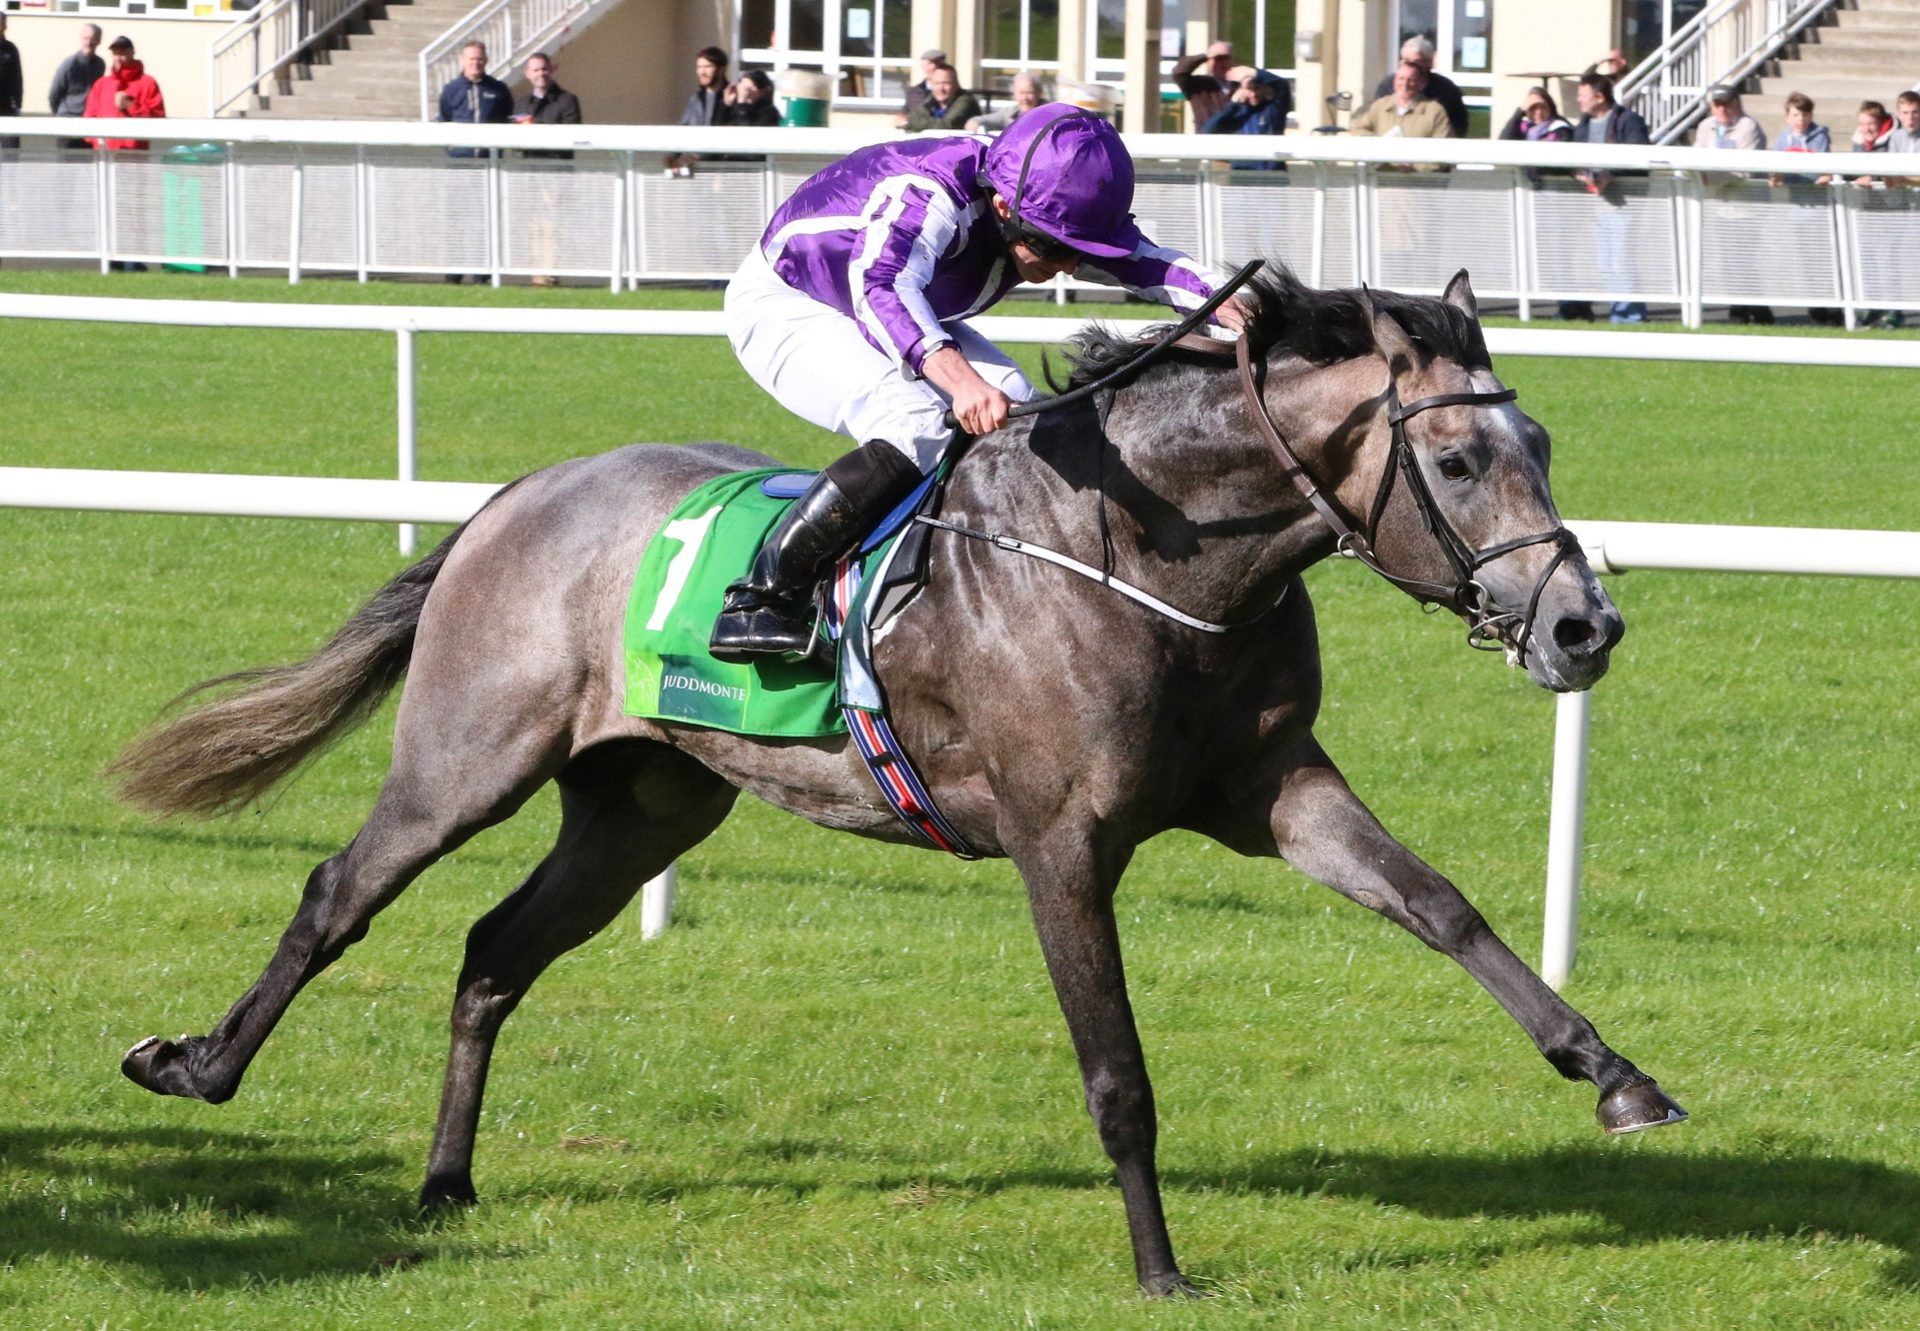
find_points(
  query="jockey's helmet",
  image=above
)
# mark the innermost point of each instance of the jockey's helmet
(1067, 178)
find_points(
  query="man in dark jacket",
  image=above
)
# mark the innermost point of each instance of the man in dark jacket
(1602, 120)
(12, 86)
(546, 103)
(708, 105)
(474, 97)
(947, 104)
(1419, 51)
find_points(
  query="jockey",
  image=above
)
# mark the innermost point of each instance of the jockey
(850, 313)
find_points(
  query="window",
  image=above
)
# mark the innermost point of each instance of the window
(865, 42)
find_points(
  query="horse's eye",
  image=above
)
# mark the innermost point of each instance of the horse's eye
(1453, 467)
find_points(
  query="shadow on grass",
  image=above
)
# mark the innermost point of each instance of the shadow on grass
(1639, 1197)
(204, 1210)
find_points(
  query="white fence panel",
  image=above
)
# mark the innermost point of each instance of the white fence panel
(50, 203)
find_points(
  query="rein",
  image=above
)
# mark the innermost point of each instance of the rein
(1487, 629)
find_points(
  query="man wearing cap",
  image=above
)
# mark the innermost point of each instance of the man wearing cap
(851, 312)
(126, 89)
(919, 92)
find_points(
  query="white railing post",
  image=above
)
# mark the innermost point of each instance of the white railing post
(656, 902)
(1567, 823)
(296, 205)
(408, 444)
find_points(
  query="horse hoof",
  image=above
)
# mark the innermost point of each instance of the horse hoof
(449, 1192)
(1637, 1108)
(161, 1066)
(1174, 1286)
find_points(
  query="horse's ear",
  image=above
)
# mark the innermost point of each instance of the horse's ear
(1459, 294)
(1389, 338)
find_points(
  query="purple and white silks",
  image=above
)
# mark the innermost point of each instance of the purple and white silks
(897, 238)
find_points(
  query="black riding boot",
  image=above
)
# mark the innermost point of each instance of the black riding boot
(769, 611)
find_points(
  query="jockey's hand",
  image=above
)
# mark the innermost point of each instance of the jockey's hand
(981, 408)
(1233, 314)
(977, 405)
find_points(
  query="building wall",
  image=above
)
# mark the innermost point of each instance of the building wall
(173, 50)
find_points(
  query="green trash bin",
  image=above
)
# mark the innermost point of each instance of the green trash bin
(808, 95)
(186, 211)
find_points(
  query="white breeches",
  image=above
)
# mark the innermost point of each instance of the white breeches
(817, 364)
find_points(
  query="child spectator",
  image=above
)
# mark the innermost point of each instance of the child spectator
(1905, 136)
(1800, 135)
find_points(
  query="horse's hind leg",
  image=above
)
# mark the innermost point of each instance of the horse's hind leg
(625, 817)
(420, 816)
(1307, 814)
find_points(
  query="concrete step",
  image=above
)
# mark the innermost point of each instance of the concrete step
(1853, 41)
(1863, 20)
(1888, 6)
(1858, 64)
(1836, 99)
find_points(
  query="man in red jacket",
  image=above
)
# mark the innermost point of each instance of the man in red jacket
(126, 89)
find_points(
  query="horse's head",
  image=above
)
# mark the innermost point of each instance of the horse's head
(1461, 514)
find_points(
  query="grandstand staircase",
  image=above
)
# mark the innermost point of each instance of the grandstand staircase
(371, 72)
(1868, 51)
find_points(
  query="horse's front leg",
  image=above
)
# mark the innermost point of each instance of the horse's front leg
(1304, 811)
(1070, 882)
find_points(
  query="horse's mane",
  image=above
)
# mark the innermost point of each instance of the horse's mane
(1321, 327)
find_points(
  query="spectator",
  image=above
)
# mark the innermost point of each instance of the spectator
(1419, 51)
(1604, 121)
(75, 78)
(1800, 135)
(1257, 106)
(1203, 80)
(126, 89)
(474, 97)
(947, 105)
(711, 93)
(12, 86)
(1408, 112)
(1905, 137)
(711, 103)
(753, 105)
(1729, 126)
(1872, 129)
(1613, 64)
(1027, 94)
(917, 94)
(546, 103)
(1538, 120)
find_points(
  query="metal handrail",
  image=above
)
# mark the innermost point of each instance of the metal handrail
(1669, 88)
(512, 30)
(266, 41)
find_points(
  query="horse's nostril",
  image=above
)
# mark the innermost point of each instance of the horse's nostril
(1576, 634)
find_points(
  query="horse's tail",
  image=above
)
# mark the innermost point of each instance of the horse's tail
(225, 753)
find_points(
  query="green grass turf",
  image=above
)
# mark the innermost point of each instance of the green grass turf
(838, 1093)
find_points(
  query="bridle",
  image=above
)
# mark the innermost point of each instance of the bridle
(1488, 629)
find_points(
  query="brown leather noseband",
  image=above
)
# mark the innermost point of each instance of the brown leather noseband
(1487, 627)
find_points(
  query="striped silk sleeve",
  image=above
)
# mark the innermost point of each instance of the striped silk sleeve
(909, 223)
(1156, 273)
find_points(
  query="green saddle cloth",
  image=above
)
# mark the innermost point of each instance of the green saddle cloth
(710, 540)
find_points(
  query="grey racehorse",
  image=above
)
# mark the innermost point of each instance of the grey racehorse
(1056, 722)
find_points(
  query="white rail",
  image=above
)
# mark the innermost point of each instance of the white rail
(267, 42)
(1722, 44)
(304, 197)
